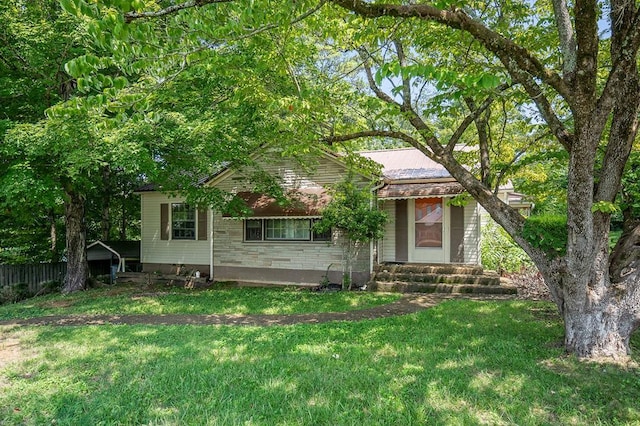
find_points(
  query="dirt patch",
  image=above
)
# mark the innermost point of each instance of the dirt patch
(56, 304)
(408, 304)
(12, 350)
(530, 285)
(140, 296)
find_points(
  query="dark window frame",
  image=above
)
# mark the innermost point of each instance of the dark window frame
(183, 221)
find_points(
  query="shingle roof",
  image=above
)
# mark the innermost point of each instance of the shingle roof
(406, 164)
(420, 190)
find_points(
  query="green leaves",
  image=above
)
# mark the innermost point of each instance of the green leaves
(352, 211)
(86, 64)
(78, 8)
(441, 77)
(605, 207)
(548, 233)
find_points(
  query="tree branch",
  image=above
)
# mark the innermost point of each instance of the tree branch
(132, 16)
(625, 257)
(406, 81)
(587, 53)
(505, 49)
(374, 134)
(469, 119)
(544, 106)
(481, 120)
(624, 125)
(364, 55)
(567, 38)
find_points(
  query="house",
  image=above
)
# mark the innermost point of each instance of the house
(276, 243)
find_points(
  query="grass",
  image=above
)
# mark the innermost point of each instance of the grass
(462, 362)
(134, 299)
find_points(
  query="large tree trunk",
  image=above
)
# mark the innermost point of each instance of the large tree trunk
(53, 236)
(601, 313)
(77, 265)
(123, 219)
(105, 219)
(602, 330)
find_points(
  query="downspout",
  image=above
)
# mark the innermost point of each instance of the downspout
(211, 246)
(373, 244)
(479, 232)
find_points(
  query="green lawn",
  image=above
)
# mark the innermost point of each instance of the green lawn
(462, 362)
(134, 299)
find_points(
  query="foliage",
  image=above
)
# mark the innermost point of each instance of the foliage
(36, 40)
(352, 211)
(461, 362)
(499, 252)
(14, 293)
(629, 197)
(490, 86)
(548, 233)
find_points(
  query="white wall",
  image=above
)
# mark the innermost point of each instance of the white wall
(155, 250)
(471, 233)
(388, 248)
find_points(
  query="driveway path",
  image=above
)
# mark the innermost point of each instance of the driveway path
(407, 304)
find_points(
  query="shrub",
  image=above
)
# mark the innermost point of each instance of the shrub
(500, 252)
(14, 293)
(548, 233)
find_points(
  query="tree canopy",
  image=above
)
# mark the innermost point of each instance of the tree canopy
(489, 90)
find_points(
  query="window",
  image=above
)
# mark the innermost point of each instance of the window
(288, 229)
(253, 230)
(428, 222)
(183, 222)
(282, 230)
(321, 236)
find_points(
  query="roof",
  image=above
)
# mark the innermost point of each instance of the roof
(406, 164)
(305, 202)
(104, 249)
(420, 190)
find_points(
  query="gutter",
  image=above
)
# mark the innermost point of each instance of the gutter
(371, 243)
(211, 246)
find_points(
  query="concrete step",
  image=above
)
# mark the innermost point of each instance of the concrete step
(420, 287)
(428, 278)
(419, 268)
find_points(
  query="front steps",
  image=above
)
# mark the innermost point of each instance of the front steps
(438, 278)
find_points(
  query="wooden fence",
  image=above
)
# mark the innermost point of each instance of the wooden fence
(34, 275)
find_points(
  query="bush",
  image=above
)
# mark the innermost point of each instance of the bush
(548, 233)
(14, 293)
(500, 253)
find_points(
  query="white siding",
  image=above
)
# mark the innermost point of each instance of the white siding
(388, 248)
(325, 172)
(155, 250)
(471, 233)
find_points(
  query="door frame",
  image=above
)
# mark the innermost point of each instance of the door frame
(428, 254)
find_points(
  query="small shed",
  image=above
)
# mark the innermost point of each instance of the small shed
(106, 257)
